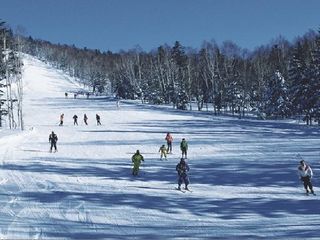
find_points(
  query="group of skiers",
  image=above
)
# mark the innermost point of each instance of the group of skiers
(75, 119)
(182, 167)
(304, 170)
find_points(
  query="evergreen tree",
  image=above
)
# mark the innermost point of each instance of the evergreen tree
(276, 97)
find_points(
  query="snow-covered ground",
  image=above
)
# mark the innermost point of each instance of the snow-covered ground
(243, 172)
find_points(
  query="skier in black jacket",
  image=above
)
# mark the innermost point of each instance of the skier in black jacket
(53, 140)
(182, 168)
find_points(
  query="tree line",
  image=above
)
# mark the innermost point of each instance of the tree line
(11, 87)
(277, 80)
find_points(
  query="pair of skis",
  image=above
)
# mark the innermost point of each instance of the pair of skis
(183, 190)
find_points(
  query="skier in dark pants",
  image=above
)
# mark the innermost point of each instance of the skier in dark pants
(182, 168)
(85, 119)
(98, 119)
(305, 173)
(184, 148)
(169, 140)
(53, 140)
(75, 120)
(61, 119)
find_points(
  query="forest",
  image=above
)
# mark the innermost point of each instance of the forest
(278, 80)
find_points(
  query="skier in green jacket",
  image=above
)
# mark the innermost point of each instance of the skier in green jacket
(184, 148)
(137, 158)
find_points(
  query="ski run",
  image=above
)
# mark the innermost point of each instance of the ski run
(243, 173)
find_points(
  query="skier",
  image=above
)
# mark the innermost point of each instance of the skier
(305, 173)
(137, 158)
(182, 168)
(163, 152)
(61, 119)
(98, 119)
(53, 140)
(169, 140)
(85, 118)
(75, 119)
(184, 147)
(66, 94)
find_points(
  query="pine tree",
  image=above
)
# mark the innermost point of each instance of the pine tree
(276, 97)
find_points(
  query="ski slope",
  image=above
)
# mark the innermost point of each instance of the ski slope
(243, 173)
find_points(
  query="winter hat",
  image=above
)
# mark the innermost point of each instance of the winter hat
(138, 152)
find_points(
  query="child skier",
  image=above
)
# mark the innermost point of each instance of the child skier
(182, 168)
(163, 152)
(137, 158)
(305, 173)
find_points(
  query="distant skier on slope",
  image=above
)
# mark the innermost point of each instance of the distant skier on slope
(85, 119)
(75, 119)
(163, 152)
(183, 168)
(184, 147)
(169, 140)
(61, 119)
(53, 141)
(98, 119)
(305, 173)
(137, 158)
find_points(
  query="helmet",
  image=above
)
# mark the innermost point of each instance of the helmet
(137, 152)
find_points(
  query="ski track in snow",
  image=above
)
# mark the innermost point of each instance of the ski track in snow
(243, 172)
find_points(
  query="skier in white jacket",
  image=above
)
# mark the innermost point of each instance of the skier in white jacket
(305, 173)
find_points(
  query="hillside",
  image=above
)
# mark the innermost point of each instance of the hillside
(243, 172)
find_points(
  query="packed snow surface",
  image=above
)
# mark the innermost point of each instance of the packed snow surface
(243, 172)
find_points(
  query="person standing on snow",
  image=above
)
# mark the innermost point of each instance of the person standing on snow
(53, 141)
(85, 119)
(98, 119)
(75, 119)
(305, 173)
(169, 140)
(183, 168)
(137, 158)
(61, 119)
(184, 147)
(163, 152)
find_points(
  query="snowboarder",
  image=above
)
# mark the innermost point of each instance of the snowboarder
(66, 94)
(163, 152)
(169, 140)
(75, 119)
(98, 119)
(137, 158)
(61, 119)
(184, 147)
(53, 140)
(183, 168)
(85, 119)
(305, 173)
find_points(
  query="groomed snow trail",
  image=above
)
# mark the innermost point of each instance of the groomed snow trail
(243, 172)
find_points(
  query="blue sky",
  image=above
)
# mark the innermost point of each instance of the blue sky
(123, 24)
